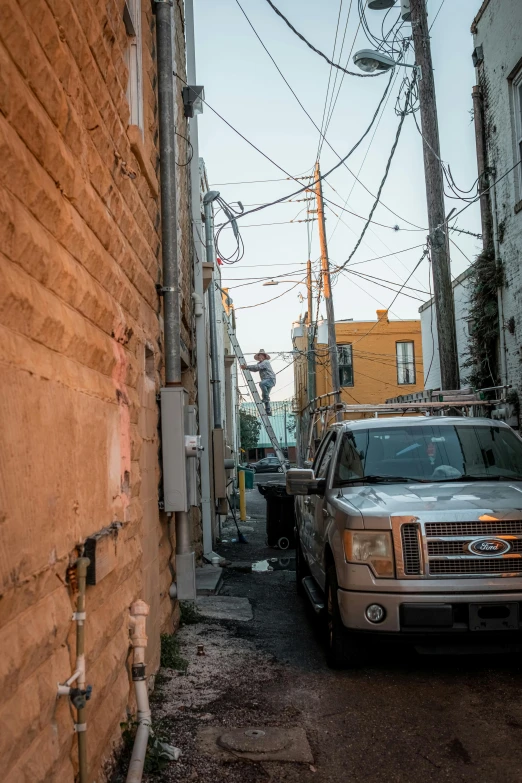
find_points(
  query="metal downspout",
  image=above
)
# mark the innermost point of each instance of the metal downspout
(214, 354)
(201, 331)
(500, 298)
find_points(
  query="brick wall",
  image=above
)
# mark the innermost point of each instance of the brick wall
(498, 31)
(79, 315)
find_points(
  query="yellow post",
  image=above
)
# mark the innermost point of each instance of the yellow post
(242, 497)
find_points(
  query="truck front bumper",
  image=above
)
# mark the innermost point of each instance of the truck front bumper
(414, 614)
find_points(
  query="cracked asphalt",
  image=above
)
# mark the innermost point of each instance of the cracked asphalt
(403, 716)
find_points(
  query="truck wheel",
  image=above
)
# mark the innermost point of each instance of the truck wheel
(301, 569)
(342, 650)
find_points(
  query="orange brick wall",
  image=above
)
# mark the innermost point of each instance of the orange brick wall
(80, 255)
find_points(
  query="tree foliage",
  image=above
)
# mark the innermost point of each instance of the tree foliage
(249, 429)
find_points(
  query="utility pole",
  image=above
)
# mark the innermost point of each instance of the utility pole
(439, 242)
(286, 431)
(327, 290)
(310, 335)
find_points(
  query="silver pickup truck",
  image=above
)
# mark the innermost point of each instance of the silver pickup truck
(412, 527)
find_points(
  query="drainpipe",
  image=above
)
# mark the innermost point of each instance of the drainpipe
(214, 355)
(199, 309)
(169, 220)
(137, 624)
(75, 687)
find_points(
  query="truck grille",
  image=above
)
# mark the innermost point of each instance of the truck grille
(441, 549)
(410, 549)
(505, 528)
(460, 547)
(487, 565)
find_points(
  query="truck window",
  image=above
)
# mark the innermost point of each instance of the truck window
(322, 471)
(431, 452)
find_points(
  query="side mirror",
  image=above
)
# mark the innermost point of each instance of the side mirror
(302, 481)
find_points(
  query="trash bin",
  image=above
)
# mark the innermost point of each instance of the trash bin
(249, 476)
(280, 515)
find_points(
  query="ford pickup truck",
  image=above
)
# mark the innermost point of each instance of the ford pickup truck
(412, 528)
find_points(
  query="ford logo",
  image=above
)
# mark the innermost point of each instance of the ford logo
(489, 547)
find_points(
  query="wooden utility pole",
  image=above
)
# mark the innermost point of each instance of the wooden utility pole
(310, 335)
(327, 289)
(439, 242)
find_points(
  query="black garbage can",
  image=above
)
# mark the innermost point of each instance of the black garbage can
(280, 515)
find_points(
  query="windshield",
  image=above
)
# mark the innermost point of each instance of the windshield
(429, 453)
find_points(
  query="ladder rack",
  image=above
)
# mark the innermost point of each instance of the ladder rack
(255, 394)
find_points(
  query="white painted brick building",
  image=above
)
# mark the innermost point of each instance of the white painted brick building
(497, 35)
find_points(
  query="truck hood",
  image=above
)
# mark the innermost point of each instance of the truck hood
(377, 503)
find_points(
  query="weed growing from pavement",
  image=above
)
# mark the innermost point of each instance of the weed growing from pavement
(189, 613)
(156, 758)
(171, 657)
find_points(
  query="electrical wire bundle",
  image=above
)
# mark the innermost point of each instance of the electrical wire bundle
(232, 213)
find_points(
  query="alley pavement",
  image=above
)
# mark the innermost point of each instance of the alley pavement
(401, 718)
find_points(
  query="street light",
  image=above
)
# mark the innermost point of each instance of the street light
(276, 282)
(380, 5)
(369, 61)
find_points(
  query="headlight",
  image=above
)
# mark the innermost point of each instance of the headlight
(374, 549)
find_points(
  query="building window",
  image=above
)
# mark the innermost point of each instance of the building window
(517, 101)
(132, 19)
(344, 358)
(405, 363)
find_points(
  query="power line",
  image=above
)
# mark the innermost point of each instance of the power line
(321, 137)
(318, 51)
(436, 15)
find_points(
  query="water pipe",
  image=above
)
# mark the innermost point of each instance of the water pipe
(75, 687)
(137, 623)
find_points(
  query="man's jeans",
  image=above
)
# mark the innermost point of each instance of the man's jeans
(265, 387)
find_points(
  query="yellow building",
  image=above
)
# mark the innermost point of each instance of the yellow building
(377, 360)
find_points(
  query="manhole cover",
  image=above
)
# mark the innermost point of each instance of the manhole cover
(254, 740)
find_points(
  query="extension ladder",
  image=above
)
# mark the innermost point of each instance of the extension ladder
(255, 394)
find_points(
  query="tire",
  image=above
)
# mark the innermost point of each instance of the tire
(301, 569)
(342, 650)
(280, 469)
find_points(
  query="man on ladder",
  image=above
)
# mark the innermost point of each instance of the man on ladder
(267, 375)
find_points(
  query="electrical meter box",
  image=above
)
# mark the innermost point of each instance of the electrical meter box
(174, 415)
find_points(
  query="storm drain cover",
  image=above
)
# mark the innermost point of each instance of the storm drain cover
(256, 743)
(254, 740)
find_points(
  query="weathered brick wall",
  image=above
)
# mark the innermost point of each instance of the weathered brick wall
(498, 31)
(79, 259)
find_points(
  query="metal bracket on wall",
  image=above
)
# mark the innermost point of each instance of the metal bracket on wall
(161, 290)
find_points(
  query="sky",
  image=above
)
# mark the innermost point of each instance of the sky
(244, 87)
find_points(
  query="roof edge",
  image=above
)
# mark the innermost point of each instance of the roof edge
(478, 17)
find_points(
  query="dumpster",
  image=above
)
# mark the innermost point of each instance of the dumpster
(280, 515)
(249, 476)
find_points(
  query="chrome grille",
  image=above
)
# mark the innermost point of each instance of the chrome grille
(486, 565)
(460, 547)
(503, 528)
(410, 549)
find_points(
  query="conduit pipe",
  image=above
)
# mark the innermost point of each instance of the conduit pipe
(80, 693)
(138, 638)
(208, 198)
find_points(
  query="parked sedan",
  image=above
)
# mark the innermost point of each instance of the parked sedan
(268, 465)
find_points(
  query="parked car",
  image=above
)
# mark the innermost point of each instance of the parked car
(412, 528)
(268, 465)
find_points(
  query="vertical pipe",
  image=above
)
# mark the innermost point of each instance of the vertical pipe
(242, 496)
(81, 571)
(214, 354)
(169, 219)
(485, 209)
(500, 298)
(201, 329)
(183, 538)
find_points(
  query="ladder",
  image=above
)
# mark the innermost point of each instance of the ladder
(255, 394)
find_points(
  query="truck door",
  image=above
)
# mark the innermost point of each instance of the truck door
(316, 508)
(319, 512)
(307, 511)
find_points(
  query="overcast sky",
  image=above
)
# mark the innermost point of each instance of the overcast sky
(243, 85)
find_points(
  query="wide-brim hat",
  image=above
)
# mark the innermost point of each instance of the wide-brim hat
(257, 356)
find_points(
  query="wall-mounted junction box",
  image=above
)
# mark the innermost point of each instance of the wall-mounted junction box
(174, 414)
